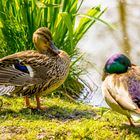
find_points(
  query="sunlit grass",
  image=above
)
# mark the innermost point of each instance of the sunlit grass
(62, 120)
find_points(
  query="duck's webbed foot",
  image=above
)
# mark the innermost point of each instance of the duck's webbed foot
(38, 107)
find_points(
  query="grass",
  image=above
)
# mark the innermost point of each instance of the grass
(62, 120)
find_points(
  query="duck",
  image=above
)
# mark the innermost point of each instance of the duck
(121, 86)
(34, 72)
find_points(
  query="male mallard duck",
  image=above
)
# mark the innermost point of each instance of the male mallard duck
(33, 72)
(121, 86)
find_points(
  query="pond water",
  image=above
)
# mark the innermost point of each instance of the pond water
(100, 42)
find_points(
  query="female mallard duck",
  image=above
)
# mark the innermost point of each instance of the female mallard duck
(121, 86)
(32, 72)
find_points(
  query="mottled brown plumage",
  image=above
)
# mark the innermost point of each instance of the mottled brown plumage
(32, 72)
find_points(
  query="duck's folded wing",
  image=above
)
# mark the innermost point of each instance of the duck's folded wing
(10, 75)
(117, 91)
(14, 70)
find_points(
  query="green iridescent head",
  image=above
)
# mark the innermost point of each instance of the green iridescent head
(117, 63)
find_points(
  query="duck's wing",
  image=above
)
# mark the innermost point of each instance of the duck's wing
(134, 87)
(6, 90)
(25, 68)
(123, 91)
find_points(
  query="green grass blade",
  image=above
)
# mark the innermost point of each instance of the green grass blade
(97, 19)
(67, 20)
(85, 23)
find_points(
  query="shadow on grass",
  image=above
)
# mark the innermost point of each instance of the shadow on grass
(129, 129)
(53, 112)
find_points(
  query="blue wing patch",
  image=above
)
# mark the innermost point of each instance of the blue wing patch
(20, 66)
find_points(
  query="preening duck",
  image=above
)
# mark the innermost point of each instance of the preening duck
(33, 72)
(121, 86)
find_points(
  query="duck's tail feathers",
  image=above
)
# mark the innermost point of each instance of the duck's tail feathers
(6, 90)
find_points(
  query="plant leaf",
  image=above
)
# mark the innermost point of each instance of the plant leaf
(67, 20)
